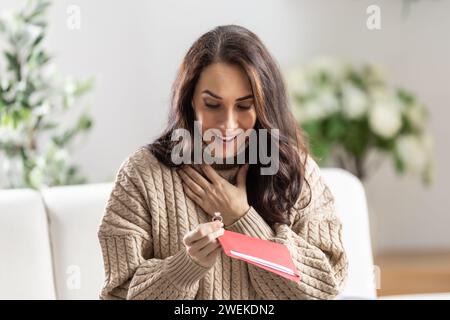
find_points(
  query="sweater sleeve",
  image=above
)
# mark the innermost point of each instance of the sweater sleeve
(314, 241)
(125, 235)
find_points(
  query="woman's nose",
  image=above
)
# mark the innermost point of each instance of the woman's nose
(228, 121)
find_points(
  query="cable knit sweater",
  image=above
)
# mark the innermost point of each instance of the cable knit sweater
(148, 214)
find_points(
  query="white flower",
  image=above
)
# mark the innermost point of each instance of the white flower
(331, 66)
(311, 110)
(354, 102)
(327, 100)
(385, 118)
(412, 150)
(317, 108)
(296, 82)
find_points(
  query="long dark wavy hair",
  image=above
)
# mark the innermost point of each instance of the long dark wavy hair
(272, 196)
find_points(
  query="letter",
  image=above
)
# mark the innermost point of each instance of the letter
(198, 145)
(374, 20)
(181, 151)
(212, 147)
(274, 151)
(74, 279)
(74, 18)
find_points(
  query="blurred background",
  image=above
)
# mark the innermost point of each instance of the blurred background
(369, 78)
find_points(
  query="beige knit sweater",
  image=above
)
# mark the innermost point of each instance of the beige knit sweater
(148, 214)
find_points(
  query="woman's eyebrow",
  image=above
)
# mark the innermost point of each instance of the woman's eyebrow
(218, 97)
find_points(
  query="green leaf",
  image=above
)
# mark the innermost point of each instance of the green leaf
(38, 40)
(406, 96)
(335, 128)
(49, 126)
(84, 123)
(5, 120)
(321, 150)
(13, 62)
(39, 10)
(399, 164)
(2, 106)
(357, 137)
(42, 58)
(84, 86)
(384, 144)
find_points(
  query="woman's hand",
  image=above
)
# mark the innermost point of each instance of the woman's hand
(201, 243)
(217, 195)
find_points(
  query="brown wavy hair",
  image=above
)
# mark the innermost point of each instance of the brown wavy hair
(272, 196)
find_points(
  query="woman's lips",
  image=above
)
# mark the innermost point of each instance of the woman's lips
(226, 139)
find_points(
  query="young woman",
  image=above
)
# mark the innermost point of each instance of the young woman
(157, 237)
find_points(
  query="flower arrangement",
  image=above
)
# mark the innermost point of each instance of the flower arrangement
(349, 112)
(34, 143)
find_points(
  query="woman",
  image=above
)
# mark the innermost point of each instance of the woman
(157, 237)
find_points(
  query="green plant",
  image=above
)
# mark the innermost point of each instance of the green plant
(349, 112)
(35, 143)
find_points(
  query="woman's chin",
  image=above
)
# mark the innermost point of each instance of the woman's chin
(223, 156)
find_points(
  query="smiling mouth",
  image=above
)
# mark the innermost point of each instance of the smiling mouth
(226, 139)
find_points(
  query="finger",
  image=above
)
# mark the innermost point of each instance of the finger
(208, 249)
(191, 184)
(197, 245)
(210, 238)
(197, 177)
(241, 178)
(212, 175)
(200, 231)
(215, 252)
(191, 194)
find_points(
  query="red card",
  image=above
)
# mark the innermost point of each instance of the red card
(271, 256)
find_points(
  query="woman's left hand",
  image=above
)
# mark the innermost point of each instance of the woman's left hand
(217, 195)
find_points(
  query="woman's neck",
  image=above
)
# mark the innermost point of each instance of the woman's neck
(226, 171)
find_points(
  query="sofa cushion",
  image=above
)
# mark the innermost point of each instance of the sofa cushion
(75, 213)
(26, 270)
(351, 207)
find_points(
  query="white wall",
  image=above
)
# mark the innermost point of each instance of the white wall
(134, 48)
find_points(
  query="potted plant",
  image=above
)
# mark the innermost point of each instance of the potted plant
(35, 145)
(350, 113)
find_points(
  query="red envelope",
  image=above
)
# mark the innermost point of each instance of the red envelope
(268, 255)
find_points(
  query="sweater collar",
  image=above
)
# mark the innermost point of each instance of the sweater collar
(226, 171)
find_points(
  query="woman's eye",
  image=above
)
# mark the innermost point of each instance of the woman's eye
(213, 106)
(245, 107)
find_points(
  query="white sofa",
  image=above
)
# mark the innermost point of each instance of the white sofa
(49, 247)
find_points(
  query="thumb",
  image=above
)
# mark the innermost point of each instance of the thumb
(242, 176)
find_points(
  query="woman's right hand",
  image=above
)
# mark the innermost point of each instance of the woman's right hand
(202, 244)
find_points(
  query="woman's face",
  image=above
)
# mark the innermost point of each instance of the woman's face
(223, 100)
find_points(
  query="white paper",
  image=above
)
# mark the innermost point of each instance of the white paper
(264, 262)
